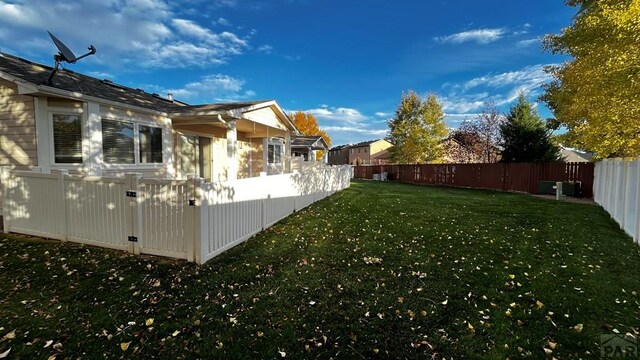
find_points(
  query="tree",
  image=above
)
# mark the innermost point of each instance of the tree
(483, 133)
(596, 95)
(308, 125)
(417, 129)
(525, 138)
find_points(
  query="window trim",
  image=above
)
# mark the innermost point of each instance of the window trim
(52, 147)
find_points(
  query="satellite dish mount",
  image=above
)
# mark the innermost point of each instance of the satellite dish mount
(64, 54)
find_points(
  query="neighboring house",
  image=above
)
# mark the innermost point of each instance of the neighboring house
(339, 155)
(574, 155)
(97, 127)
(373, 152)
(308, 146)
(457, 153)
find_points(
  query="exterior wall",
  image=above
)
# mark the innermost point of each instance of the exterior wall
(245, 155)
(360, 152)
(17, 128)
(339, 157)
(220, 159)
(379, 152)
(257, 159)
(265, 116)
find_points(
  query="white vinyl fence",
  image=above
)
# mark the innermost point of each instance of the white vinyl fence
(617, 189)
(188, 219)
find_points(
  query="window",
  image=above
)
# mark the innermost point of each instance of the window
(275, 154)
(117, 142)
(128, 143)
(67, 139)
(150, 144)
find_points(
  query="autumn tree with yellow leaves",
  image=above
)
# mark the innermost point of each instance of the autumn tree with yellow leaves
(596, 95)
(417, 130)
(307, 124)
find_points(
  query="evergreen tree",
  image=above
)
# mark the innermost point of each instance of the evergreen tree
(417, 130)
(525, 138)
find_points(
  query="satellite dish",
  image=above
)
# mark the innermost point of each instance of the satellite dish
(65, 54)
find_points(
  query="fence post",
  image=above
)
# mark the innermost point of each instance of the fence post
(5, 179)
(63, 220)
(636, 236)
(135, 224)
(193, 233)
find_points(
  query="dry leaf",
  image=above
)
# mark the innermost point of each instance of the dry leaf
(149, 322)
(175, 333)
(282, 353)
(5, 354)
(125, 346)
(578, 328)
(48, 343)
(539, 304)
(9, 336)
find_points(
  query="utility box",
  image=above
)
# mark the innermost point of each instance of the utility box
(569, 188)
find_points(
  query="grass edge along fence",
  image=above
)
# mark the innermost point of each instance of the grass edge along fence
(515, 177)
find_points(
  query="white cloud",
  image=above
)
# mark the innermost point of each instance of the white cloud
(527, 42)
(382, 114)
(480, 36)
(141, 32)
(265, 49)
(222, 22)
(371, 132)
(504, 88)
(210, 88)
(344, 115)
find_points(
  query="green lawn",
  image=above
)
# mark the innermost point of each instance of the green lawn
(379, 270)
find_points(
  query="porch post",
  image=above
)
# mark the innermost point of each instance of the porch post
(287, 153)
(232, 151)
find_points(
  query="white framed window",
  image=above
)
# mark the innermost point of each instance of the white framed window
(274, 153)
(150, 144)
(128, 143)
(67, 137)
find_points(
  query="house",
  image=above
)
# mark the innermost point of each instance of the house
(574, 155)
(339, 155)
(97, 127)
(373, 152)
(308, 147)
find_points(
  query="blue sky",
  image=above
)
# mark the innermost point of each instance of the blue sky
(347, 62)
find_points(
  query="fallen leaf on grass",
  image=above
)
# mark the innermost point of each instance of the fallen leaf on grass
(175, 333)
(5, 354)
(48, 343)
(9, 336)
(539, 304)
(125, 346)
(578, 328)
(149, 322)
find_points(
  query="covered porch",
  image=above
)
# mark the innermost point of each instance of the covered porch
(222, 142)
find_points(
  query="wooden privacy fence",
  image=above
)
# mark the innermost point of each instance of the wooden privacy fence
(617, 190)
(186, 219)
(519, 177)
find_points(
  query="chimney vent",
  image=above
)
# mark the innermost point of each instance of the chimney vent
(170, 96)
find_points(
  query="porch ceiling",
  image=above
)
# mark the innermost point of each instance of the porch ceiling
(254, 129)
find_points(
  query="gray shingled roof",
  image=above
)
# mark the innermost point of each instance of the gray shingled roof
(305, 142)
(104, 89)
